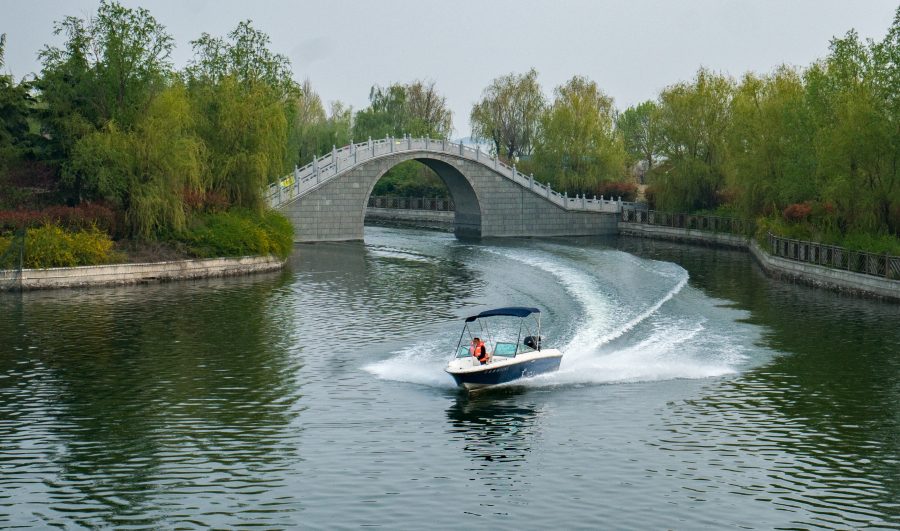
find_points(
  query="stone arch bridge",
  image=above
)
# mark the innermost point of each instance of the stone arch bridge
(326, 199)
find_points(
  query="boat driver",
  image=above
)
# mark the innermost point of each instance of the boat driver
(478, 350)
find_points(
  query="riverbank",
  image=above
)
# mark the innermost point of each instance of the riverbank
(124, 274)
(776, 267)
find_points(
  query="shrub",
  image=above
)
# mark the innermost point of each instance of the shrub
(614, 190)
(52, 246)
(237, 232)
(795, 213)
(205, 202)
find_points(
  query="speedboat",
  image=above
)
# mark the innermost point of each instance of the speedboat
(508, 359)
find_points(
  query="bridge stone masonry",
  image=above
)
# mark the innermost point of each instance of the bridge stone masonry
(326, 200)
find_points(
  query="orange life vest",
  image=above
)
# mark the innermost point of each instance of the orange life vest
(479, 351)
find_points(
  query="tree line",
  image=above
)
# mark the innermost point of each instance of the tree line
(109, 118)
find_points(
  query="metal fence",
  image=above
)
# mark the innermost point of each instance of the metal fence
(690, 221)
(879, 265)
(864, 262)
(412, 203)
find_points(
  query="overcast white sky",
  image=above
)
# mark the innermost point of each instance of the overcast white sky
(632, 48)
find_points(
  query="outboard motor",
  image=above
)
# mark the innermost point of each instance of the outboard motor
(533, 342)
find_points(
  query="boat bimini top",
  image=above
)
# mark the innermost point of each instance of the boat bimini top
(530, 342)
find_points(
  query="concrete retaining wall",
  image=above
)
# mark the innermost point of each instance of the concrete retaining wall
(399, 214)
(776, 266)
(825, 277)
(120, 274)
(683, 235)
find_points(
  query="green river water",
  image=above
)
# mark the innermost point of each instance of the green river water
(694, 393)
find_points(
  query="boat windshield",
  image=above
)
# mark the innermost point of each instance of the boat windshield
(463, 352)
(505, 349)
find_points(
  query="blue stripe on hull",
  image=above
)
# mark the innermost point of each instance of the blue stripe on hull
(507, 373)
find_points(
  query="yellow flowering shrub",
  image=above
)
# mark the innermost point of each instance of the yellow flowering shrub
(53, 246)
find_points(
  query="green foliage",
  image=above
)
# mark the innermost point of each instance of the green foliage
(319, 137)
(16, 107)
(52, 246)
(110, 69)
(580, 147)
(239, 232)
(509, 114)
(244, 131)
(246, 58)
(243, 95)
(411, 179)
(145, 168)
(416, 109)
(694, 117)
(640, 128)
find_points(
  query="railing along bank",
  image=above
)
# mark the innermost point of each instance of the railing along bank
(440, 204)
(834, 256)
(327, 167)
(879, 265)
(690, 221)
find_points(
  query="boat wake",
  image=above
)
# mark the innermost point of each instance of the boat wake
(619, 336)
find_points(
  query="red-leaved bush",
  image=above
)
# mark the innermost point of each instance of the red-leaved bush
(614, 190)
(796, 212)
(208, 202)
(81, 217)
(807, 210)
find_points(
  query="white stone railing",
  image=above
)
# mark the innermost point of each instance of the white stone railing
(327, 167)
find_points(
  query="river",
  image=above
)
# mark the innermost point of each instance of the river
(694, 393)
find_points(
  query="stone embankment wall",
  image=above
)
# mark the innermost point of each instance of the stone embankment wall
(400, 214)
(121, 274)
(775, 266)
(682, 235)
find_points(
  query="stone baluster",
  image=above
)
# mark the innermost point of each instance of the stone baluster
(512, 172)
(461, 148)
(548, 190)
(531, 182)
(427, 142)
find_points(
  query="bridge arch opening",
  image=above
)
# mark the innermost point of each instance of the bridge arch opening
(467, 209)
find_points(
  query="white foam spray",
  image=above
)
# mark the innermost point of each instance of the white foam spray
(675, 347)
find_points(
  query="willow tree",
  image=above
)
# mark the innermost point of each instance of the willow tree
(243, 94)
(148, 166)
(694, 118)
(509, 114)
(580, 148)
